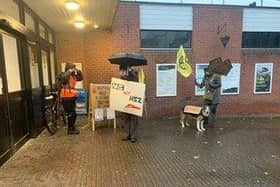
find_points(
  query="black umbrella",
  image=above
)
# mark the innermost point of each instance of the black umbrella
(128, 59)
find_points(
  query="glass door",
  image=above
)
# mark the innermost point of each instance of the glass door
(34, 67)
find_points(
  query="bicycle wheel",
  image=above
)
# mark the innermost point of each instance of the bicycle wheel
(62, 114)
(51, 121)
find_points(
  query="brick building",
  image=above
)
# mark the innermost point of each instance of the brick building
(36, 38)
(156, 30)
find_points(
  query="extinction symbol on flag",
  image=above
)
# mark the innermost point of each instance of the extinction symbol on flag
(183, 64)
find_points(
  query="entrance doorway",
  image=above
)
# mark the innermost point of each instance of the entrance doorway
(13, 103)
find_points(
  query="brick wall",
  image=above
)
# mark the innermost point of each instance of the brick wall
(164, 106)
(93, 48)
(70, 48)
(209, 24)
(125, 29)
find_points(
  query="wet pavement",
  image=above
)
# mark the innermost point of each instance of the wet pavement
(236, 152)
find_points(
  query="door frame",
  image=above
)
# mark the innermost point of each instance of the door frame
(5, 156)
(20, 40)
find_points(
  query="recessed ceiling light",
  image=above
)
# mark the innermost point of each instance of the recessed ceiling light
(72, 5)
(79, 24)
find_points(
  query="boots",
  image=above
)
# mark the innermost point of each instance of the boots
(73, 130)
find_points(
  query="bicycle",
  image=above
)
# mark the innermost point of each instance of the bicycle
(53, 110)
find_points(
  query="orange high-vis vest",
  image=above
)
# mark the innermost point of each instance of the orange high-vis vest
(68, 90)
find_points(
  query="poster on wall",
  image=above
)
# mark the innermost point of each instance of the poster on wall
(199, 74)
(79, 67)
(166, 80)
(231, 82)
(263, 77)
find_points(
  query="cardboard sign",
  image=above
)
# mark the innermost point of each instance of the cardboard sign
(98, 116)
(110, 113)
(98, 97)
(192, 109)
(220, 67)
(127, 96)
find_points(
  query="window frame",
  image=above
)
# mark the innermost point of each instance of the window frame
(262, 38)
(189, 32)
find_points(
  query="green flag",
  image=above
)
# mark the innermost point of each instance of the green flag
(183, 64)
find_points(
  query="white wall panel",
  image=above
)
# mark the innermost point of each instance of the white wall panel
(165, 17)
(261, 20)
(10, 8)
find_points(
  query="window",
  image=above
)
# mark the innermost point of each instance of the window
(50, 37)
(1, 85)
(42, 31)
(12, 63)
(29, 21)
(53, 66)
(45, 68)
(165, 39)
(261, 40)
(34, 69)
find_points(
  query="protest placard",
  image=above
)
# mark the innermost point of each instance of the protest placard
(127, 96)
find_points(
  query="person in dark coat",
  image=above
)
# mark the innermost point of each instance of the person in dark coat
(212, 82)
(129, 74)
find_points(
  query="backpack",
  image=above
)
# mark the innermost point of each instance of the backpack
(62, 79)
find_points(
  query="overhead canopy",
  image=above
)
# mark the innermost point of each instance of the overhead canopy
(92, 12)
(128, 59)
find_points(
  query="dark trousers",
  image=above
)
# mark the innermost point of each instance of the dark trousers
(132, 122)
(69, 106)
(212, 115)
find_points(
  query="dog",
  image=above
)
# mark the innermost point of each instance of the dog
(199, 113)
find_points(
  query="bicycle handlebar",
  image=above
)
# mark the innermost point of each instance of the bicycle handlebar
(49, 97)
(53, 92)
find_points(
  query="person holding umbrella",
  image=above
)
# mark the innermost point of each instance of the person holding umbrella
(125, 62)
(129, 74)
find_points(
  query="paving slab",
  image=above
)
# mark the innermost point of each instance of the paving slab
(236, 152)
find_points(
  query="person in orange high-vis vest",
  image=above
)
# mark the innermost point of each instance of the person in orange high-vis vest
(68, 95)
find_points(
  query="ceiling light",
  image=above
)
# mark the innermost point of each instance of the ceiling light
(79, 24)
(72, 5)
